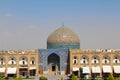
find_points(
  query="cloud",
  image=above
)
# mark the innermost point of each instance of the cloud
(8, 14)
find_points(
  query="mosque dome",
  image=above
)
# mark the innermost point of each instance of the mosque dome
(63, 38)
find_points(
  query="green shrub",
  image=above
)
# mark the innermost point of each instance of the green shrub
(74, 77)
(1, 78)
(43, 78)
(20, 78)
(62, 78)
(116, 78)
(110, 77)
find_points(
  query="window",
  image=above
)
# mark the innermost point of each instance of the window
(12, 58)
(33, 62)
(105, 61)
(12, 62)
(95, 61)
(1, 59)
(84, 61)
(116, 61)
(23, 62)
(105, 57)
(116, 58)
(75, 60)
(1, 62)
(84, 58)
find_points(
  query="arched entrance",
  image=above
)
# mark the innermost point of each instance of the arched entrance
(54, 63)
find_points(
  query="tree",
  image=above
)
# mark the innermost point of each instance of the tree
(1, 78)
(110, 77)
(81, 71)
(74, 77)
(43, 78)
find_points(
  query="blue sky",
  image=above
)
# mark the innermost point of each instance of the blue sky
(26, 24)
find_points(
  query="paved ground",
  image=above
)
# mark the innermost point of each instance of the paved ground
(55, 77)
(49, 77)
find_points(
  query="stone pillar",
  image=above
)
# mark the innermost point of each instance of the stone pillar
(37, 63)
(17, 63)
(111, 61)
(90, 57)
(28, 63)
(100, 62)
(6, 63)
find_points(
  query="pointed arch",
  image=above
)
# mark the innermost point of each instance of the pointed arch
(54, 61)
(84, 59)
(32, 60)
(23, 60)
(11, 60)
(106, 59)
(95, 59)
(2, 60)
(116, 59)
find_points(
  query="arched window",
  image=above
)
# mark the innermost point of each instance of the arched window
(23, 60)
(84, 60)
(116, 59)
(32, 60)
(75, 60)
(2, 61)
(95, 59)
(106, 59)
(12, 60)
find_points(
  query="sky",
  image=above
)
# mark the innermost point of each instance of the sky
(26, 24)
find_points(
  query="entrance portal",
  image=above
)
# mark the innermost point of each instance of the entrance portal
(53, 67)
(54, 62)
(23, 72)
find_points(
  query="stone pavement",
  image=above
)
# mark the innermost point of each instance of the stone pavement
(55, 77)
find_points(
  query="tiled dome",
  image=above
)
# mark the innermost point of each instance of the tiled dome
(63, 35)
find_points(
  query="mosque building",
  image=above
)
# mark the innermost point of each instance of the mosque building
(62, 56)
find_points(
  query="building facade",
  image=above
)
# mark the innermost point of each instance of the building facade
(62, 56)
(18, 63)
(95, 62)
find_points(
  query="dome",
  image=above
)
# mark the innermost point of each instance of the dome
(63, 38)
